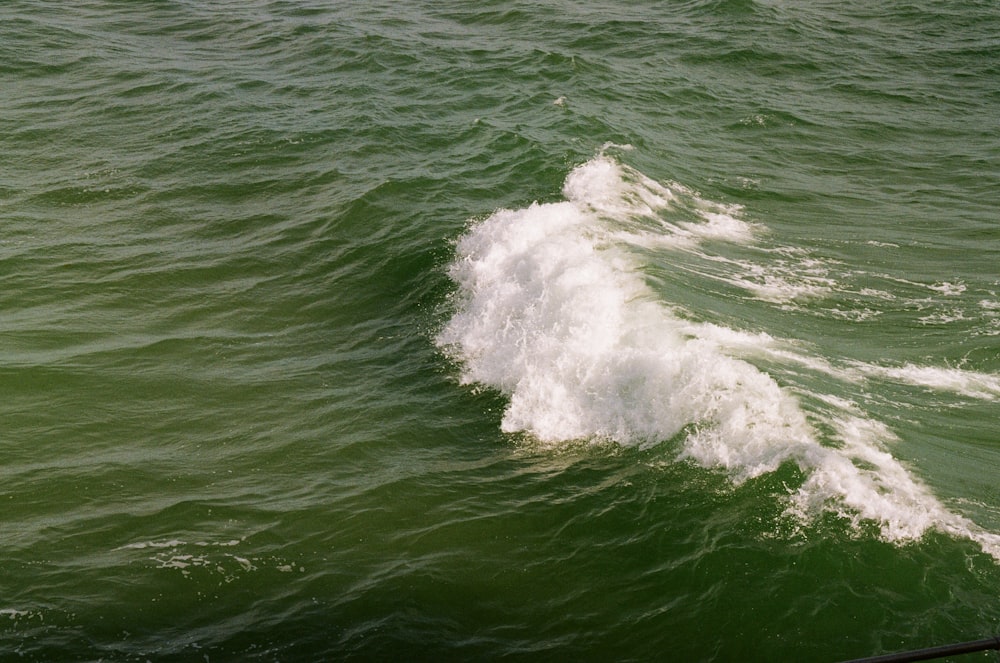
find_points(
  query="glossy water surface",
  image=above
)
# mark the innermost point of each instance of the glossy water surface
(526, 330)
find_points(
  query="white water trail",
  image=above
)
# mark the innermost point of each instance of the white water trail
(552, 310)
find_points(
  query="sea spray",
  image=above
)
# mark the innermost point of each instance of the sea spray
(553, 310)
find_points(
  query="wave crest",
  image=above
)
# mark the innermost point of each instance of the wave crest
(552, 310)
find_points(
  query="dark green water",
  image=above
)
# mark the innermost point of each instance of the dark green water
(527, 330)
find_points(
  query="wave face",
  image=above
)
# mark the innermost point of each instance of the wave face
(554, 310)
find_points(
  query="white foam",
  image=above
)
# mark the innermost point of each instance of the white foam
(964, 382)
(948, 289)
(552, 310)
(783, 277)
(139, 545)
(863, 482)
(607, 187)
(177, 543)
(943, 317)
(634, 202)
(973, 384)
(723, 225)
(780, 283)
(565, 325)
(13, 613)
(877, 294)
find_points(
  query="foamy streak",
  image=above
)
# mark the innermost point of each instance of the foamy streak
(968, 383)
(972, 384)
(784, 279)
(553, 312)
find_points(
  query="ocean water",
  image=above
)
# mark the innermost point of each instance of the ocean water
(439, 330)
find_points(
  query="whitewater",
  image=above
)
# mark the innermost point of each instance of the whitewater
(553, 310)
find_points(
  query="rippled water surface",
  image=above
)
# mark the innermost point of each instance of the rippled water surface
(441, 330)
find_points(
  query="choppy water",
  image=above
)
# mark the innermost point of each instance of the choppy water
(446, 330)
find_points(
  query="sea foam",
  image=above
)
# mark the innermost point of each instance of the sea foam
(553, 311)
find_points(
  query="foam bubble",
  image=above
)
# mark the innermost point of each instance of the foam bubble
(553, 311)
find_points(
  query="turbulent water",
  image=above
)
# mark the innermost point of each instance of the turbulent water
(530, 330)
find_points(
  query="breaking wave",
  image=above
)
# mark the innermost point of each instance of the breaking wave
(553, 310)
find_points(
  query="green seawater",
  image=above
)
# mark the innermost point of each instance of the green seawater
(254, 407)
